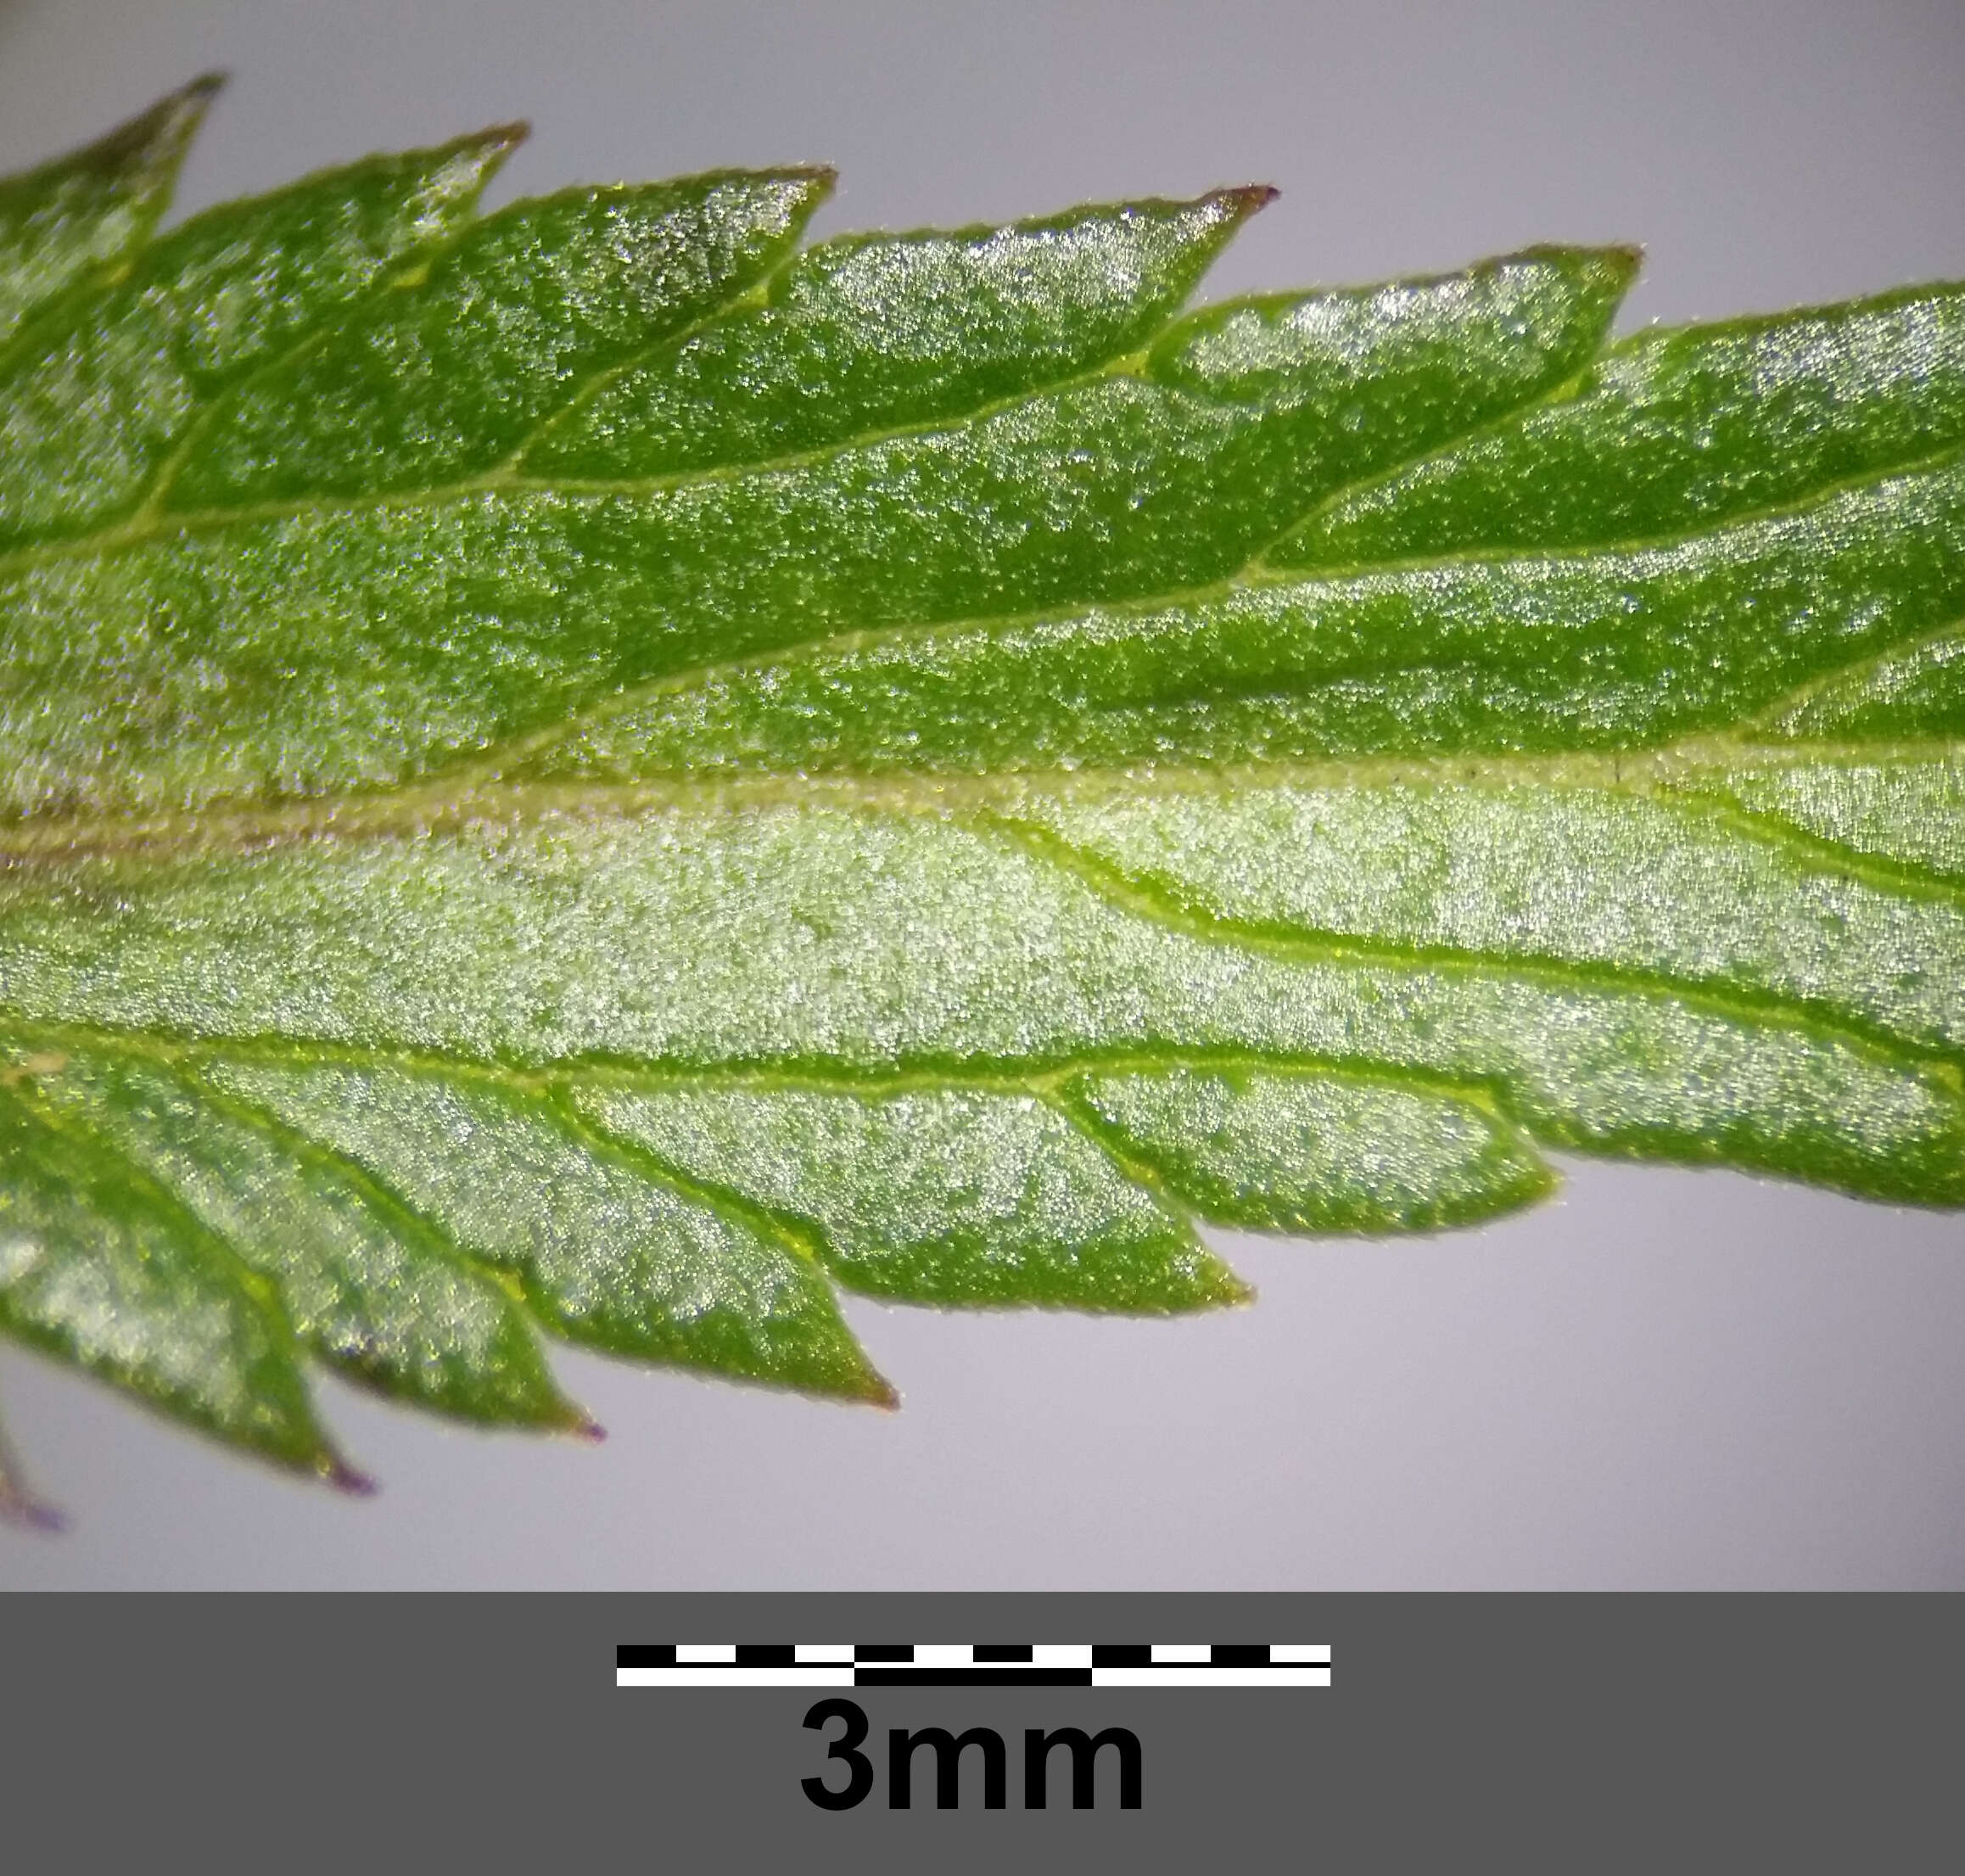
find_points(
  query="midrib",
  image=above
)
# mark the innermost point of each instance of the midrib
(458, 798)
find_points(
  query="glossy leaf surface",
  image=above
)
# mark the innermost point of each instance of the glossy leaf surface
(588, 772)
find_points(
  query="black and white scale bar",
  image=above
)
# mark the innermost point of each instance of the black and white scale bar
(972, 1663)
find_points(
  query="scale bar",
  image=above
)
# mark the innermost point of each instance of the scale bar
(977, 1664)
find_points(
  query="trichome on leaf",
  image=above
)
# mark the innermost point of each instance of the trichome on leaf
(594, 771)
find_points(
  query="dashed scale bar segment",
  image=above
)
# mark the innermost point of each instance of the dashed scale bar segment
(972, 1663)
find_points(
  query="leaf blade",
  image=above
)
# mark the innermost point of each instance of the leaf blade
(585, 774)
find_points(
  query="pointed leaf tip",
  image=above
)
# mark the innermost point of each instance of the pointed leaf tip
(345, 1478)
(488, 149)
(819, 179)
(1245, 199)
(158, 138)
(478, 155)
(21, 1508)
(822, 176)
(1624, 259)
(503, 137)
(30, 1514)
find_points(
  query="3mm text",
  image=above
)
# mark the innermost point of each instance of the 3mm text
(1120, 1746)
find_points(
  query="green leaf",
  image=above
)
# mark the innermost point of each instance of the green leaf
(77, 218)
(588, 772)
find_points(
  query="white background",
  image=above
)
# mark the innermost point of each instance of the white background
(1666, 1379)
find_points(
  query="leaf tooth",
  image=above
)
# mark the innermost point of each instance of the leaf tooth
(372, 1288)
(454, 186)
(1245, 199)
(1312, 1151)
(1674, 431)
(82, 214)
(946, 1195)
(866, 336)
(106, 1269)
(347, 1478)
(453, 374)
(198, 313)
(608, 1248)
(19, 1504)
(150, 148)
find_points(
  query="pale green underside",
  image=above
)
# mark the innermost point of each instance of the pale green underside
(583, 771)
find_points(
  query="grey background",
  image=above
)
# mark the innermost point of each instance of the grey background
(1666, 1379)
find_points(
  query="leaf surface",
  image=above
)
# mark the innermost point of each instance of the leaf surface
(588, 771)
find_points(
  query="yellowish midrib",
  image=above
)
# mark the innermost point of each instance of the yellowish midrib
(450, 802)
